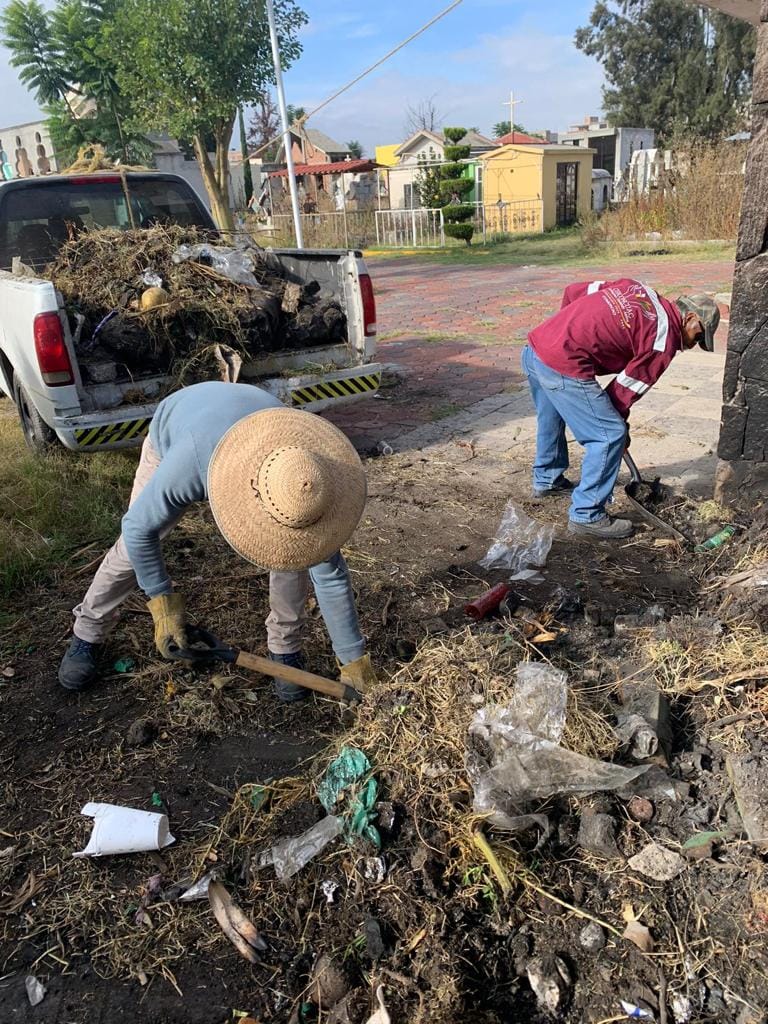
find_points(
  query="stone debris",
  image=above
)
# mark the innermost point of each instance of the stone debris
(597, 835)
(592, 937)
(749, 777)
(657, 862)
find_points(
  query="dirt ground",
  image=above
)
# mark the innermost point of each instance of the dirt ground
(453, 943)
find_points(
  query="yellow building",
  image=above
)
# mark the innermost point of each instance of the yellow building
(534, 188)
(385, 155)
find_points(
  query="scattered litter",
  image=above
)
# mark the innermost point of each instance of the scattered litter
(682, 1009)
(514, 755)
(520, 542)
(157, 800)
(151, 279)
(528, 575)
(329, 889)
(236, 264)
(6, 852)
(643, 723)
(657, 862)
(699, 847)
(375, 869)
(259, 795)
(384, 448)
(550, 980)
(717, 540)
(597, 835)
(238, 928)
(35, 990)
(381, 1016)
(635, 1012)
(639, 935)
(350, 767)
(119, 829)
(487, 602)
(289, 856)
(643, 620)
(199, 890)
(9, 672)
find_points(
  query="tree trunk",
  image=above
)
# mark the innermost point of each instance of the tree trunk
(219, 201)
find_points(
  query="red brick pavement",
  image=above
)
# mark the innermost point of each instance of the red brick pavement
(454, 332)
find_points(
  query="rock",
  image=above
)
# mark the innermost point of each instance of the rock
(405, 650)
(639, 809)
(593, 614)
(435, 626)
(597, 835)
(749, 776)
(639, 935)
(624, 624)
(328, 983)
(35, 990)
(657, 862)
(592, 937)
(374, 943)
(141, 733)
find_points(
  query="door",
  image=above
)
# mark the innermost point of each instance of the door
(566, 191)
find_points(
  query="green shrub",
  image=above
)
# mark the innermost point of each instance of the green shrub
(458, 212)
(460, 231)
(454, 134)
(461, 185)
(457, 152)
(452, 170)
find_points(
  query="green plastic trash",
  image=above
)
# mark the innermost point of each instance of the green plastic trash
(350, 767)
(123, 665)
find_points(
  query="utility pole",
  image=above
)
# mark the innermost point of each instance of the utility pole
(511, 103)
(286, 127)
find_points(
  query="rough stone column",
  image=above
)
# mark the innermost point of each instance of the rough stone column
(743, 441)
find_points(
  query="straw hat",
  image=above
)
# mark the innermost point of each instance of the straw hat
(287, 488)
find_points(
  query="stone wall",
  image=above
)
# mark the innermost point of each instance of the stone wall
(744, 423)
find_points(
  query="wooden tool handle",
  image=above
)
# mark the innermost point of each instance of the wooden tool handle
(331, 687)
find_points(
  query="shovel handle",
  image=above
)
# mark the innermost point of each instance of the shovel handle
(330, 687)
(634, 472)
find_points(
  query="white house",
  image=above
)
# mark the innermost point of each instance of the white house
(419, 151)
(613, 146)
(26, 151)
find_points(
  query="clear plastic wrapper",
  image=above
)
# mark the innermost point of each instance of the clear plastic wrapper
(289, 856)
(520, 542)
(236, 264)
(514, 755)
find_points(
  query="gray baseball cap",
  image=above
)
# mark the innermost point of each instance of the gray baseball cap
(705, 308)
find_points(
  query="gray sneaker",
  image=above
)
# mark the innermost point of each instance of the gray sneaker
(78, 666)
(606, 528)
(285, 691)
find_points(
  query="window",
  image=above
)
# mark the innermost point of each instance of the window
(408, 196)
(479, 184)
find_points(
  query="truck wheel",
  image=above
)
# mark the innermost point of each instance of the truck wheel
(38, 435)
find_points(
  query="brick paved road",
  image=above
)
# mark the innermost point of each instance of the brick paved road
(453, 333)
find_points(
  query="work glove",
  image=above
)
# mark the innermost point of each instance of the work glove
(170, 618)
(359, 674)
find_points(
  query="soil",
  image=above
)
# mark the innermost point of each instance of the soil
(414, 559)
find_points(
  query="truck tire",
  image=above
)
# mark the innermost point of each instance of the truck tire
(39, 437)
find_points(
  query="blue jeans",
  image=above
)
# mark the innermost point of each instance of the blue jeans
(588, 412)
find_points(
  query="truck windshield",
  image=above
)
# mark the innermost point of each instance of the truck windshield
(36, 221)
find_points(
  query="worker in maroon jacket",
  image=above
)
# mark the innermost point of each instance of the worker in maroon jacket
(620, 327)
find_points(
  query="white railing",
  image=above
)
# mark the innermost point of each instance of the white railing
(417, 228)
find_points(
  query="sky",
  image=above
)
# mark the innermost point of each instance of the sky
(467, 63)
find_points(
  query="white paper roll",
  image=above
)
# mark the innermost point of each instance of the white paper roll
(124, 830)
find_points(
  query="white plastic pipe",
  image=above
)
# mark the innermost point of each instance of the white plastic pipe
(286, 127)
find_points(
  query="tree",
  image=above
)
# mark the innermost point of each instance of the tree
(355, 149)
(264, 127)
(247, 175)
(64, 56)
(671, 66)
(188, 64)
(295, 114)
(423, 117)
(454, 188)
(502, 128)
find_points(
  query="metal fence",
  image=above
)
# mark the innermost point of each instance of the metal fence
(521, 217)
(410, 228)
(355, 229)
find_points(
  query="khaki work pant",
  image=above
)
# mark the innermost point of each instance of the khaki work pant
(115, 580)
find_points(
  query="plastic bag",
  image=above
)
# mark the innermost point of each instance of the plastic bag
(350, 767)
(520, 542)
(236, 264)
(514, 756)
(289, 856)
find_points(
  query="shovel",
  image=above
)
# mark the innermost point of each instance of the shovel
(212, 649)
(658, 491)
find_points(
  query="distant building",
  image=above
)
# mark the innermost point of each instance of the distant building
(613, 146)
(520, 139)
(602, 189)
(424, 149)
(386, 156)
(311, 146)
(26, 151)
(534, 188)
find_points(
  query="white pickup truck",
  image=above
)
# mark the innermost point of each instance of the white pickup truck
(39, 371)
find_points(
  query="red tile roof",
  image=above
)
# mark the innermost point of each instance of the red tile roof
(346, 166)
(520, 139)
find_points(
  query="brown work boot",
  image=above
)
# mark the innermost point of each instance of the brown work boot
(606, 528)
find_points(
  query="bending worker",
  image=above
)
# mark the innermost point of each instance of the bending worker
(620, 327)
(286, 489)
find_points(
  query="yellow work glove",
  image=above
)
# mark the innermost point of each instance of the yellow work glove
(170, 622)
(359, 674)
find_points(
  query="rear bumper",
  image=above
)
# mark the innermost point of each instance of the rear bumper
(127, 426)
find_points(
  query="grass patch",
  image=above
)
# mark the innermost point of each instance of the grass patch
(563, 247)
(442, 412)
(56, 506)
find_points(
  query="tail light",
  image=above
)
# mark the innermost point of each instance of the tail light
(369, 305)
(52, 356)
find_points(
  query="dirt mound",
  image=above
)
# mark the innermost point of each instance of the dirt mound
(210, 295)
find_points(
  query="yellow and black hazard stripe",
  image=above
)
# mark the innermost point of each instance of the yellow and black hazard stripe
(343, 387)
(110, 433)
